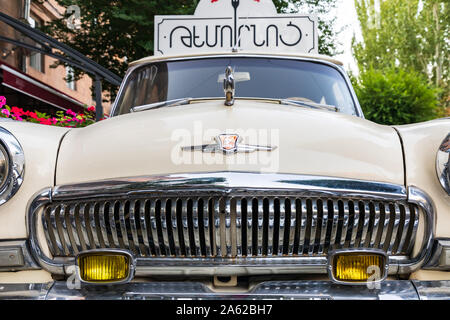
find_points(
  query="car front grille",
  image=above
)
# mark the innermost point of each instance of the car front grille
(231, 223)
(230, 226)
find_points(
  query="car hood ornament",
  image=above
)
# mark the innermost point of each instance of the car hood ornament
(228, 143)
(229, 87)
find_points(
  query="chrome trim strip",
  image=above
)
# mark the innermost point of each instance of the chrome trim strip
(236, 181)
(432, 290)
(443, 164)
(267, 290)
(340, 69)
(38, 201)
(440, 257)
(227, 182)
(16, 163)
(420, 198)
(15, 256)
(28, 291)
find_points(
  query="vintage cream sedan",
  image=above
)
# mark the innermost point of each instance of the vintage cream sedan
(227, 175)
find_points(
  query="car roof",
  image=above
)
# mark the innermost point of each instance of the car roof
(237, 54)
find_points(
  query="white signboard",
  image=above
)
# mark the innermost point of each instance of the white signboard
(223, 25)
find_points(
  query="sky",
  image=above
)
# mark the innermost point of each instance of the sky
(346, 17)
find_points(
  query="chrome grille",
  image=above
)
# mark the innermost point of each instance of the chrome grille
(238, 225)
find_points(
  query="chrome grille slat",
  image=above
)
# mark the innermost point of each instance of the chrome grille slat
(143, 225)
(112, 224)
(233, 234)
(93, 226)
(293, 222)
(323, 230)
(303, 226)
(216, 230)
(261, 218)
(175, 227)
(226, 227)
(272, 233)
(249, 223)
(284, 225)
(231, 226)
(123, 228)
(47, 230)
(239, 227)
(413, 232)
(196, 226)
(345, 221)
(406, 224)
(73, 226)
(164, 226)
(376, 224)
(86, 225)
(103, 228)
(207, 226)
(334, 228)
(222, 228)
(153, 227)
(64, 231)
(134, 229)
(71, 233)
(366, 222)
(395, 232)
(312, 222)
(55, 233)
(384, 234)
(355, 228)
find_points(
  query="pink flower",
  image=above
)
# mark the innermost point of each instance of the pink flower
(71, 113)
(45, 121)
(6, 112)
(17, 111)
(19, 118)
(2, 101)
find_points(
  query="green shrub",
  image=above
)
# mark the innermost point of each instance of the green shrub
(396, 96)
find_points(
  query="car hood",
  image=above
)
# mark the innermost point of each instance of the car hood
(305, 141)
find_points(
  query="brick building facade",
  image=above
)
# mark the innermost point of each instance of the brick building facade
(36, 66)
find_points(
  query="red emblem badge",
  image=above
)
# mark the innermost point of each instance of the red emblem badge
(228, 142)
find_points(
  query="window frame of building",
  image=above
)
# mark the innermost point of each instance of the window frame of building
(70, 78)
(37, 59)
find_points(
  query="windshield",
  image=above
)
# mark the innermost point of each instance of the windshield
(255, 78)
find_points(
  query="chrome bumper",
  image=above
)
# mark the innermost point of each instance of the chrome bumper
(270, 290)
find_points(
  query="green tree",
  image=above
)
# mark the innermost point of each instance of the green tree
(113, 33)
(328, 36)
(410, 34)
(396, 96)
(116, 32)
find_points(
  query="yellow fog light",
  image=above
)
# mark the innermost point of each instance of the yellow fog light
(105, 266)
(358, 266)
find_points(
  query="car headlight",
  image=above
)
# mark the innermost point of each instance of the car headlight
(12, 165)
(443, 164)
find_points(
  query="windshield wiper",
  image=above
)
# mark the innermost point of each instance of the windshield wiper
(183, 101)
(168, 103)
(309, 104)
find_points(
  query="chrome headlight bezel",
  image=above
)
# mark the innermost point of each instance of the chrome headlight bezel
(443, 164)
(16, 165)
